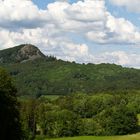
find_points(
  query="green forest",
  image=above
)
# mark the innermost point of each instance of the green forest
(49, 76)
(81, 115)
(54, 98)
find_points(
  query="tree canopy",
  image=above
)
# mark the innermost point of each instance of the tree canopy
(9, 115)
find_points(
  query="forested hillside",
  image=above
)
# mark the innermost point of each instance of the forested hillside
(49, 76)
(113, 111)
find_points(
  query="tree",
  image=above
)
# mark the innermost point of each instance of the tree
(89, 126)
(28, 113)
(118, 120)
(10, 126)
(60, 123)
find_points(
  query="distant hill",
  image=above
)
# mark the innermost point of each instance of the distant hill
(20, 54)
(44, 75)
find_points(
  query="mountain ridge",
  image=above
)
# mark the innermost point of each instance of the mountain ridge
(21, 53)
(49, 76)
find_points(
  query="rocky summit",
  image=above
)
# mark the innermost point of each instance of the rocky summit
(20, 54)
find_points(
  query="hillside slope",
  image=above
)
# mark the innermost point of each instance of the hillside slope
(48, 76)
(20, 54)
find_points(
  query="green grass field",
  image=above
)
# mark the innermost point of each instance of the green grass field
(127, 137)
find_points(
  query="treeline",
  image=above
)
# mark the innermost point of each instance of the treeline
(72, 115)
(57, 77)
(81, 114)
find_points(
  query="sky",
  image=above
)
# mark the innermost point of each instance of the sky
(85, 31)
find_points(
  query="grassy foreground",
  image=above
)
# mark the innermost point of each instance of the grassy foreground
(127, 137)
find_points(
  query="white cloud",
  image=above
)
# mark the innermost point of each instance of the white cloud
(92, 20)
(78, 17)
(117, 30)
(130, 5)
(87, 18)
(88, 10)
(118, 57)
(54, 28)
(20, 13)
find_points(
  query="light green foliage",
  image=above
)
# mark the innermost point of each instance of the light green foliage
(81, 114)
(28, 116)
(138, 119)
(57, 123)
(89, 126)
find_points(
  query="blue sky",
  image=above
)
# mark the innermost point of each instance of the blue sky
(122, 12)
(95, 31)
(116, 11)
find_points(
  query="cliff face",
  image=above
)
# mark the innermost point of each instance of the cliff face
(29, 52)
(20, 54)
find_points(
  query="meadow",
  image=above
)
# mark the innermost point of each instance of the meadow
(126, 137)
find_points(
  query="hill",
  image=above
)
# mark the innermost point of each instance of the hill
(44, 75)
(20, 54)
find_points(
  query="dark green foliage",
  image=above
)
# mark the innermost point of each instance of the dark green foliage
(10, 126)
(118, 120)
(134, 103)
(81, 114)
(49, 76)
(102, 114)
